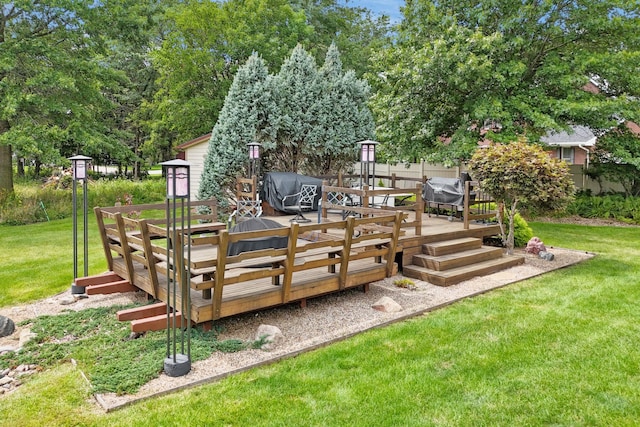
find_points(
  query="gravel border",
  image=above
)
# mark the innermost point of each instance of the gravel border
(325, 320)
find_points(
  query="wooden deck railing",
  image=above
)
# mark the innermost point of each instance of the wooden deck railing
(361, 202)
(477, 204)
(318, 259)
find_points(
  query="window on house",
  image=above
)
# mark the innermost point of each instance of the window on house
(566, 154)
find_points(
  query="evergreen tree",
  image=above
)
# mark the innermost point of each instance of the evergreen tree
(343, 116)
(298, 90)
(245, 117)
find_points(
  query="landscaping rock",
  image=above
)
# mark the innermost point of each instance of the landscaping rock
(535, 246)
(387, 305)
(25, 336)
(547, 256)
(271, 335)
(7, 327)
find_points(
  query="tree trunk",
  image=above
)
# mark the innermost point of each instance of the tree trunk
(6, 167)
(37, 168)
(21, 167)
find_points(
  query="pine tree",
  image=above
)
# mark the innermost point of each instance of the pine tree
(245, 117)
(298, 90)
(343, 119)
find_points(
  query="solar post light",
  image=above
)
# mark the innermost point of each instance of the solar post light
(79, 166)
(367, 161)
(254, 158)
(178, 217)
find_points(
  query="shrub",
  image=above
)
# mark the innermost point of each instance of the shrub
(522, 233)
(31, 203)
(615, 206)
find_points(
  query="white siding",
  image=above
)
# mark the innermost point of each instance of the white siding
(196, 155)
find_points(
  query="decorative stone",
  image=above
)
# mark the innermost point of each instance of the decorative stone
(68, 300)
(25, 336)
(535, 246)
(7, 327)
(6, 380)
(547, 256)
(271, 336)
(387, 305)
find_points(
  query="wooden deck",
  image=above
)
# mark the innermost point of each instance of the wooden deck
(320, 257)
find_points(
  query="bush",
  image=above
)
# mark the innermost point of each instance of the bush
(522, 233)
(618, 207)
(31, 202)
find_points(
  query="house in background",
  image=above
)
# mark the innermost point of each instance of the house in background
(572, 146)
(194, 152)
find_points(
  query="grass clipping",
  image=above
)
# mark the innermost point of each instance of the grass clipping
(105, 350)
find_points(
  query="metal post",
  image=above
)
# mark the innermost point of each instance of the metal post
(178, 236)
(85, 209)
(75, 231)
(79, 165)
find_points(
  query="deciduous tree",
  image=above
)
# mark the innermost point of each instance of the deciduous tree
(460, 65)
(519, 173)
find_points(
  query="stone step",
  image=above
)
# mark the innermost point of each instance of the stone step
(458, 259)
(460, 274)
(451, 246)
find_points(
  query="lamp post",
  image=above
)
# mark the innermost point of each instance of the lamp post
(254, 158)
(178, 228)
(367, 160)
(79, 165)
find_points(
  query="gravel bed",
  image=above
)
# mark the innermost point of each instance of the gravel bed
(324, 320)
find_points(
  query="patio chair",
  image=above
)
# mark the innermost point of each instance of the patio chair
(245, 209)
(301, 201)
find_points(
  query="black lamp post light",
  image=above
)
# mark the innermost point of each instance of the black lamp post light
(367, 162)
(178, 215)
(79, 165)
(254, 158)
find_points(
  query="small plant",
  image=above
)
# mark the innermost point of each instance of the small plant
(405, 283)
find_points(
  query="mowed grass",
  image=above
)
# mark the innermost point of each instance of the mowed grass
(36, 260)
(560, 349)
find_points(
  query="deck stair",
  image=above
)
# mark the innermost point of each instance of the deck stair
(448, 262)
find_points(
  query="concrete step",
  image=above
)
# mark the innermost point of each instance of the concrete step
(451, 246)
(460, 274)
(458, 259)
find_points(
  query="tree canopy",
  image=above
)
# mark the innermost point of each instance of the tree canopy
(60, 88)
(208, 41)
(120, 80)
(462, 69)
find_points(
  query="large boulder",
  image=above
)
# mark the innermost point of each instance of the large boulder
(270, 335)
(7, 327)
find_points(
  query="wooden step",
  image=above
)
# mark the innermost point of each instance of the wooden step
(111, 288)
(459, 259)
(99, 279)
(154, 323)
(452, 246)
(460, 274)
(142, 312)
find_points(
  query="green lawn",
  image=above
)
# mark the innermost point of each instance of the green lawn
(560, 349)
(37, 259)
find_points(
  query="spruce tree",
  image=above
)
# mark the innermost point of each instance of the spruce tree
(343, 119)
(245, 117)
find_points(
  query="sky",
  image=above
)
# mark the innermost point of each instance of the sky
(387, 7)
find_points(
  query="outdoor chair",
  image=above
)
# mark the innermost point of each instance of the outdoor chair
(301, 201)
(246, 209)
